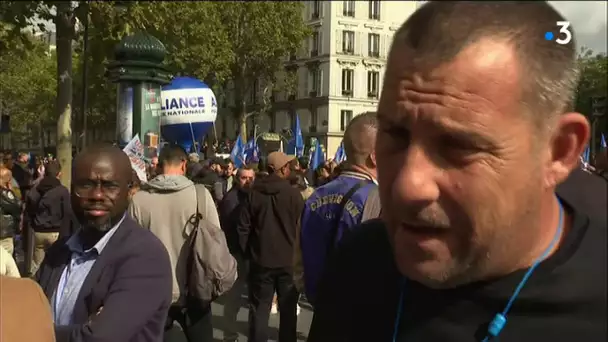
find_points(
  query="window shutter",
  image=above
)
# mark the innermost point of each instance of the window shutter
(320, 81)
(358, 43)
(382, 47)
(320, 42)
(339, 37)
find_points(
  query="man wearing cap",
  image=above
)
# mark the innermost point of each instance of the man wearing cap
(267, 227)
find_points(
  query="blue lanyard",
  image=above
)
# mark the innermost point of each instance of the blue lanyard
(500, 319)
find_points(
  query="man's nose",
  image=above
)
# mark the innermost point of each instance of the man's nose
(415, 183)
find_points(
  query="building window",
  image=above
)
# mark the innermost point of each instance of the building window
(348, 76)
(314, 44)
(316, 9)
(374, 10)
(315, 81)
(373, 45)
(345, 117)
(348, 42)
(313, 120)
(373, 82)
(349, 8)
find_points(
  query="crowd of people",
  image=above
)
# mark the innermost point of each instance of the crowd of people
(462, 205)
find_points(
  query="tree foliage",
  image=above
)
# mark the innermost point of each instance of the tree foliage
(593, 78)
(28, 86)
(261, 35)
(593, 83)
(236, 42)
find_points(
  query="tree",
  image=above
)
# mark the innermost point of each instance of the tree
(193, 45)
(27, 87)
(64, 14)
(593, 70)
(261, 35)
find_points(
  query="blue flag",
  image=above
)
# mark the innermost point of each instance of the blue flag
(295, 145)
(586, 155)
(603, 143)
(252, 152)
(238, 153)
(340, 154)
(318, 157)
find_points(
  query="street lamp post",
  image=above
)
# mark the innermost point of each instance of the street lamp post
(139, 72)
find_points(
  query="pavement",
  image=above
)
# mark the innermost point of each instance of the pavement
(304, 320)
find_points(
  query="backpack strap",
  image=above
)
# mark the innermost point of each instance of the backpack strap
(336, 221)
(194, 220)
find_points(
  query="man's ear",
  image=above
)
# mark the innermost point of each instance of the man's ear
(570, 137)
(372, 158)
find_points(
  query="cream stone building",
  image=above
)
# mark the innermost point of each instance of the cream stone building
(339, 71)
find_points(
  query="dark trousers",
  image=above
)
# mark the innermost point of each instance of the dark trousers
(194, 320)
(232, 299)
(263, 282)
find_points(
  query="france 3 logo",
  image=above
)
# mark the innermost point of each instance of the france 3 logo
(564, 35)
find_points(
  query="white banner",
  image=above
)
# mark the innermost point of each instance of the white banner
(135, 151)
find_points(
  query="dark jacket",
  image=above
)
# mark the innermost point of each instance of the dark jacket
(229, 217)
(564, 300)
(213, 182)
(131, 280)
(268, 220)
(589, 191)
(24, 178)
(47, 206)
(10, 212)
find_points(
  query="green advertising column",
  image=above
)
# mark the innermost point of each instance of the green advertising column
(138, 70)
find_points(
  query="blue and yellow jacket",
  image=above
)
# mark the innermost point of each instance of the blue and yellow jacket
(320, 215)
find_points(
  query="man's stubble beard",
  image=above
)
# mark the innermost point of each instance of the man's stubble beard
(513, 235)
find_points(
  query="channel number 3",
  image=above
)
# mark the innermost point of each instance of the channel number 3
(565, 33)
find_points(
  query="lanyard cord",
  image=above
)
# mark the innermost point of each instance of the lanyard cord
(500, 319)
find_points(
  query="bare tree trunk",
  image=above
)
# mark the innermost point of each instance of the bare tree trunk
(65, 24)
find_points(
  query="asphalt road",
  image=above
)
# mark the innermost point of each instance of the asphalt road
(304, 320)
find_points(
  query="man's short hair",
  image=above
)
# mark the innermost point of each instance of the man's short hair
(243, 168)
(358, 142)
(172, 155)
(217, 161)
(439, 30)
(52, 168)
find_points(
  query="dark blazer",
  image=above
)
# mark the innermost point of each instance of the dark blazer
(131, 280)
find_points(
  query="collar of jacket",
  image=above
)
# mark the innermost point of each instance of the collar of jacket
(359, 175)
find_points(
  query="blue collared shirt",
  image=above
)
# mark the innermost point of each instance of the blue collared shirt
(74, 275)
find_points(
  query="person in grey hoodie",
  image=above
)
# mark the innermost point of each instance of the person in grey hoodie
(164, 205)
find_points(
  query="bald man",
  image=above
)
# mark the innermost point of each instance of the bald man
(111, 280)
(336, 207)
